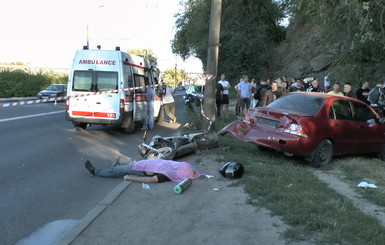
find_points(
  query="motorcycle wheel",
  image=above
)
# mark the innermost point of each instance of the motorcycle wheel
(166, 153)
(206, 141)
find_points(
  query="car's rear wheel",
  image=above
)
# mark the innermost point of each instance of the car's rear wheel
(323, 154)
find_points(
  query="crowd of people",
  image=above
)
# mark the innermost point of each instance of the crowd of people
(261, 93)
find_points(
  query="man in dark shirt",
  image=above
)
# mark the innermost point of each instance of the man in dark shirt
(363, 92)
(348, 90)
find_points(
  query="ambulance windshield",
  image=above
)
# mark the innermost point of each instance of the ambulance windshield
(94, 81)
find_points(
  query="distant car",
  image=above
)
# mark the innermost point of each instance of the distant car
(313, 125)
(180, 88)
(53, 90)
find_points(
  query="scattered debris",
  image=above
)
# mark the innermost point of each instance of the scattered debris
(364, 184)
(145, 186)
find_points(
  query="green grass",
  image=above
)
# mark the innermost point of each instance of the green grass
(314, 211)
(363, 168)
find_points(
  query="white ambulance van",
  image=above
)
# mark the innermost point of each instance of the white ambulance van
(108, 87)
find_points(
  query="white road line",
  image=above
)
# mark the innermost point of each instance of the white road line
(29, 116)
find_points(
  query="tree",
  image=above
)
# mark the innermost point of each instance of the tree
(249, 29)
(170, 78)
(147, 54)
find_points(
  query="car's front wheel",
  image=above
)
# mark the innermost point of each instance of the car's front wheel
(323, 154)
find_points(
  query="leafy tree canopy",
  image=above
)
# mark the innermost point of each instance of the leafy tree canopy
(248, 29)
(146, 53)
(173, 77)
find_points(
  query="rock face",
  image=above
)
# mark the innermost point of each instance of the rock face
(299, 56)
(321, 62)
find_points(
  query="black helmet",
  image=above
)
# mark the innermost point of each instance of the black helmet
(232, 170)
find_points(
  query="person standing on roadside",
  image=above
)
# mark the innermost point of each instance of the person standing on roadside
(271, 94)
(168, 102)
(244, 91)
(327, 83)
(336, 90)
(225, 96)
(314, 87)
(148, 122)
(363, 92)
(219, 98)
(252, 91)
(348, 90)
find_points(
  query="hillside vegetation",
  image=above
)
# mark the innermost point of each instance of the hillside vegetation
(22, 84)
(343, 37)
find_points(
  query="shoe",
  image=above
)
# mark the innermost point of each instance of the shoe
(90, 167)
(117, 162)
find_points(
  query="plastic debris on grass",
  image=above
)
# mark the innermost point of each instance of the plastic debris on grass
(364, 184)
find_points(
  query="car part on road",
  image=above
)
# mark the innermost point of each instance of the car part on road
(180, 145)
(231, 170)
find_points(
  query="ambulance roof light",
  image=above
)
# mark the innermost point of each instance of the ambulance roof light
(117, 48)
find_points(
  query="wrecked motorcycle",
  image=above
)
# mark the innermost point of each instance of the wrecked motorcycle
(177, 146)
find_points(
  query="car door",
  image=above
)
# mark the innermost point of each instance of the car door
(369, 132)
(343, 128)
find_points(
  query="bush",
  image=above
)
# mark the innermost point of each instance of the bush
(22, 84)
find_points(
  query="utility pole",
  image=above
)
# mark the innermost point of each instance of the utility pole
(212, 59)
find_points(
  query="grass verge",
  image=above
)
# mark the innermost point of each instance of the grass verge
(287, 187)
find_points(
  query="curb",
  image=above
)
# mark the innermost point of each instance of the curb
(93, 214)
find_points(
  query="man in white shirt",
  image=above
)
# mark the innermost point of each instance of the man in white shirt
(225, 96)
(168, 102)
(244, 92)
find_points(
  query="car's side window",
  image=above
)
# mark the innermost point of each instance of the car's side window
(340, 110)
(362, 113)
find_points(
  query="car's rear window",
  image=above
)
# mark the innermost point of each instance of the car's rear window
(300, 102)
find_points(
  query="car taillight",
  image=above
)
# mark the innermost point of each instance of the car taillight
(247, 117)
(121, 105)
(295, 129)
(67, 103)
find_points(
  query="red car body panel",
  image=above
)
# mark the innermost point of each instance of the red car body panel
(267, 126)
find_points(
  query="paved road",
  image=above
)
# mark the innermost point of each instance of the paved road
(42, 174)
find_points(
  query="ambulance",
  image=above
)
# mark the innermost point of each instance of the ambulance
(108, 87)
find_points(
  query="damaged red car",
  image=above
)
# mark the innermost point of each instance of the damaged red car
(316, 126)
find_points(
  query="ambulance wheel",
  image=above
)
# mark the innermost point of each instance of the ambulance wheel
(160, 117)
(80, 126)
(129, 125)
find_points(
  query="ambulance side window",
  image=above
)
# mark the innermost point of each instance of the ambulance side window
(139, 82)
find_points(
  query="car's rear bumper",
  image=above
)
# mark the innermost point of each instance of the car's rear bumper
(267, 138)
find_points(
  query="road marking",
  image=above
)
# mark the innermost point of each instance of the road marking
(29, 116)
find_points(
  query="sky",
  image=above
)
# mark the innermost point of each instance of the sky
(48, 32)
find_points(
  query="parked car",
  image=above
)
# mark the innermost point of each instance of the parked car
(180, 88)
(53, 90)
(316, 126)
